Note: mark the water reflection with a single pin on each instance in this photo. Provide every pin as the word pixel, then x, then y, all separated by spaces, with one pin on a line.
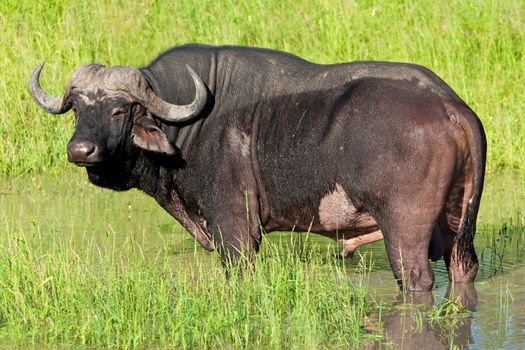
pixel 416 322
pixel 496 316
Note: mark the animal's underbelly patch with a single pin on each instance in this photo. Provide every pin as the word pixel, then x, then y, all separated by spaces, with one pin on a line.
pixel 338 213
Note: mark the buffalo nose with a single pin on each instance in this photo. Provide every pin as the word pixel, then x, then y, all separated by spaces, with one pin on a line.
pixel 83 153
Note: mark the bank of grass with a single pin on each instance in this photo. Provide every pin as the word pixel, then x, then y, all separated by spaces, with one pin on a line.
pixel 79 293
pixel 476 46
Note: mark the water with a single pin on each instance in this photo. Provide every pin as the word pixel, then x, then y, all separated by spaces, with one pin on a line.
pixel 497 300
pixel 68 206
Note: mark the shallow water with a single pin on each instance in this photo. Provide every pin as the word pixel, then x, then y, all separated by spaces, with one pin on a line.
pixel 68 206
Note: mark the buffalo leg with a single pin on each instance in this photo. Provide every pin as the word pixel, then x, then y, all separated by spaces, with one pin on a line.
pixel 351 244
pixel 407 243
pixel 237 235
pixel 459 253
pixel 461 262
pixel 237 249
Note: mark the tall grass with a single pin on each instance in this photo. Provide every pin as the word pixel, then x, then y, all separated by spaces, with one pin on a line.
pixel 78 294
pixel 476 46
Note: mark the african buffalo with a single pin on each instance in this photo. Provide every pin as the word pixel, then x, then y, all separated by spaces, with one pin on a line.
pixel 236 141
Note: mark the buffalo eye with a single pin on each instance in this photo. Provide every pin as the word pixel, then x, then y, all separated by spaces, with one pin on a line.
pixel 118 112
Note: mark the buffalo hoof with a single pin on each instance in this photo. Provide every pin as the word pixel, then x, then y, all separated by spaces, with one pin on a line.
pixel 346 254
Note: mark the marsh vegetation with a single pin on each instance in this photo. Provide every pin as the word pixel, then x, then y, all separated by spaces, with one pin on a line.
pixel 113 270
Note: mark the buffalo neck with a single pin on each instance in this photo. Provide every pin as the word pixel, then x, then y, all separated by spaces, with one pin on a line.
pixel 146 173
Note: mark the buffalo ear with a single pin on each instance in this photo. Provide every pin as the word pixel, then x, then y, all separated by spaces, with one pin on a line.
pixel 148 136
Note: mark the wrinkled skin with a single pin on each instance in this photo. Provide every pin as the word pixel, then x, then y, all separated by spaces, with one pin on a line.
pixel 110 163
pixel 356 152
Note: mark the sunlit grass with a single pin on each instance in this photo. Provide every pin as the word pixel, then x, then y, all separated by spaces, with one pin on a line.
pixel 81 265
pixel 120 297
pixel 476 46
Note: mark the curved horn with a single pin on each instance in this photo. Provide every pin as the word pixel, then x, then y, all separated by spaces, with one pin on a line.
pixel 176 113
pixel 47 102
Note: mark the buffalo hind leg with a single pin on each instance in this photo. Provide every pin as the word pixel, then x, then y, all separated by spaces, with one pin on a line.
pixel 460 257
pixel 459 253
pixel 407 245
pixel 351 244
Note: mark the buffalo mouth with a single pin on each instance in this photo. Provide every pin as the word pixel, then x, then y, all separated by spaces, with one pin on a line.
pixel 85 164
pixel 112 177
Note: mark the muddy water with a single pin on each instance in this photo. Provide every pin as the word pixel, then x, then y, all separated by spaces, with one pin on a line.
pixel 67 206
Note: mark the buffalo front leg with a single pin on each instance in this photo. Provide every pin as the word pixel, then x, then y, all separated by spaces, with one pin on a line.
pixel 237 248
pixel 236 235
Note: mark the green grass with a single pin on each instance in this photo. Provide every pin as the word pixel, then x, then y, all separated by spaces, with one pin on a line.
pixel 117 296
pixel 111 270
pixel 476 46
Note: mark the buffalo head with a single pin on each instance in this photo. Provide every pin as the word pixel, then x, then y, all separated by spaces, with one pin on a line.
pixel 114 109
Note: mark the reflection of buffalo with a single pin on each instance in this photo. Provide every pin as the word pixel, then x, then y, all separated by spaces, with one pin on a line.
pixel 409 328
pixel 251 138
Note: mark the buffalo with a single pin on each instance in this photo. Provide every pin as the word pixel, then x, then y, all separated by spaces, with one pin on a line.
pixel 235 142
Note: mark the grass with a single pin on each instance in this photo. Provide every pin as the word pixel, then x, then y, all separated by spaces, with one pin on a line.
pixel 83 266
pixel 115 271
pixel 496 243
pixel 476 46
pixel 84 294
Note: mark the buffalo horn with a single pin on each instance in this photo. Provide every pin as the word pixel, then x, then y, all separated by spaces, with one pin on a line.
pixel 48 103
pixel 179 113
